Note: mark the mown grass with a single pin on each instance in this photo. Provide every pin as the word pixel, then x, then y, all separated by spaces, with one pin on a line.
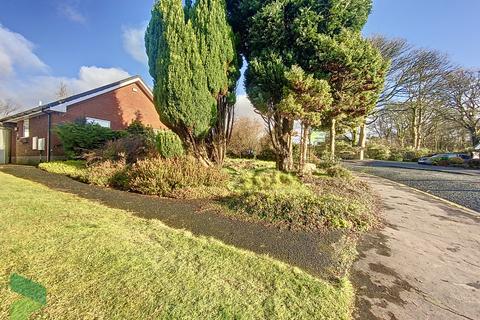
pixel 102 263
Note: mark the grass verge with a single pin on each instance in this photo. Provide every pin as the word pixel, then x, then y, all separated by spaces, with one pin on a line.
pixel 102 263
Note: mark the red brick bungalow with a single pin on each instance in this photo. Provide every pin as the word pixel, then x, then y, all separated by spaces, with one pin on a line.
pixel 27 137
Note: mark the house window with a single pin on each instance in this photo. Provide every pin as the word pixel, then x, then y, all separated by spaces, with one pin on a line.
pixel 100 122
pixel 26 128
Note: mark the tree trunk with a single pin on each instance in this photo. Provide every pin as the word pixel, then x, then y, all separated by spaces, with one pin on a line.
pixel 333 134
pixel 221 132
pixel 415 133
pixel 303 147
pixel 363 141
pixel 354 137
pixel 474 137
pixel 282 133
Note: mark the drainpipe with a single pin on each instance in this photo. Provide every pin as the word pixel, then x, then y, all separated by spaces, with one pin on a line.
pixel 49 135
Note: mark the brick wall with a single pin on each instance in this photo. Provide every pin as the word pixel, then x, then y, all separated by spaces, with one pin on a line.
pixel 120 107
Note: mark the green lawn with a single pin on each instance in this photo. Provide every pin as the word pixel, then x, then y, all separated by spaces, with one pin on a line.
pixel 102 263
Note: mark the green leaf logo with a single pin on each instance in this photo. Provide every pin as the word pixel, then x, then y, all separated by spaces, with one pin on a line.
pixel 34 297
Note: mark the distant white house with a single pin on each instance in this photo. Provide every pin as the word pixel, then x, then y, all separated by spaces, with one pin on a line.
pixel 476 153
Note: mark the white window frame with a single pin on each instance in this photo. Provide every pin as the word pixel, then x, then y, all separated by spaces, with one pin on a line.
pixel 26 128
pixel 100 122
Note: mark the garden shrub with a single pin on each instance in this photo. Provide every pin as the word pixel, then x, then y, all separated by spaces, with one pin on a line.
pixel 396 155
pixel 107 174
pixel 443 163
pixel 378 151
pixel 159 176
pixel 137 128
pixel 79 137
pixel 262 179
pixel 412 155
pixel 435 161
pixel 440 162
pixel 70 168
pixel 169 144
pixel 131 148
pixel 474 163
pixel 325 161
pixel 136 142
pixel 267 154
pixel 338 171
pixel 303 210
pixel 320 150
pixel 344 150
pixel 456 161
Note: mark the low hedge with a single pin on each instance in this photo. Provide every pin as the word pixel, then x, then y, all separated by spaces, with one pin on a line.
pixel 80 136
pixel 70 168
pixel 338 171
pixel 152 176
pixel 474 163
pixel 252 189
pixel 456 161
pixel 378 151
pixel 162 177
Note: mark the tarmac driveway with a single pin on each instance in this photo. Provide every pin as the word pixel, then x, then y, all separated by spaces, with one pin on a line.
pixel 412 165
pixel 461 186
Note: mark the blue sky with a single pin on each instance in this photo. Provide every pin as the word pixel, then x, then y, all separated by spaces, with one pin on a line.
pixel 86 43
pixel 450 26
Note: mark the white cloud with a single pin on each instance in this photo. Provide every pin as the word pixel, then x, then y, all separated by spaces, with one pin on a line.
pixel 92 77
pixel 28 92
pixel 134 43
pixel 15 51
pixel 71 13
pixel 33 84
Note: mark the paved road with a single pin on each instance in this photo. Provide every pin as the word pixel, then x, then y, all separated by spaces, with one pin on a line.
pixel 458 185
pixel 413 166
pixel 425 263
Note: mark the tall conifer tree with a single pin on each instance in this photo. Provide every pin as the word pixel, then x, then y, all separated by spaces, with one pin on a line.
pixel 182 98
pixel 193 62
pixel 278 34
pixel 215 40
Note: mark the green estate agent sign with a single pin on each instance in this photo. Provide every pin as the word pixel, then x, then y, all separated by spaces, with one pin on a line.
pixel 34 297
pixel 317 137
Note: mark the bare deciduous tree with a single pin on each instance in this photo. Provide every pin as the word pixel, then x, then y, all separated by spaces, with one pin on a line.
pixel 461 102
pixel 62 92
pixel 246 136
pixel 408 112
pixel 428 80
pixel 6 108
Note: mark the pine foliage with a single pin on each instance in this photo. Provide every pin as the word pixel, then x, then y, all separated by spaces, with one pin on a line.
pixel 181 91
